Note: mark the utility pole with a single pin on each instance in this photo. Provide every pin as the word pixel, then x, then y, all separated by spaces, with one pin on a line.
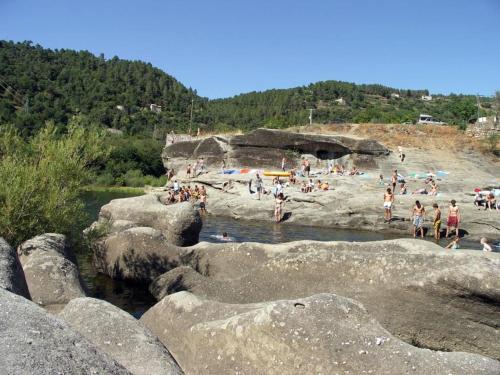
pixel 478 106
pixel 311 116
pixel 191 116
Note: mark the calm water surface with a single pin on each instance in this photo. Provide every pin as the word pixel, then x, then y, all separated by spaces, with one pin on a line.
pixel 137 299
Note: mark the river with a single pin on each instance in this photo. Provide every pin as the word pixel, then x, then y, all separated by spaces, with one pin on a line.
pixel 136 299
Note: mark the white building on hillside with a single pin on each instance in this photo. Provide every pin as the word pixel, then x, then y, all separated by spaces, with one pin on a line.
pixel 426 98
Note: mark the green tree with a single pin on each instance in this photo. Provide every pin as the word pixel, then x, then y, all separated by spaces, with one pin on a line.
pixel 41 180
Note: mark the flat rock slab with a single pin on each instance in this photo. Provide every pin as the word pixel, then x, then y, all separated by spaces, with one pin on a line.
pixel 421 293
pixel 321 334
pixel 52 278
pixel 32 341
pixel 120 336
pixel 11 272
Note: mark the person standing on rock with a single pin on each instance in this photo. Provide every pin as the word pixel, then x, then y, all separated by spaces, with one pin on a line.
pixel 203 200
pixel 418 219
pixel 259 184
pixel 278 206
pixel 283 162
pixel 436 223
pixel 388 200
pixel 453 218
pixel 394 181
pixel 401 154
pixel 189 171
pixel 307 168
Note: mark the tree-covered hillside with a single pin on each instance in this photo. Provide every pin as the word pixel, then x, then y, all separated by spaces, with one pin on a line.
pixel 334 101
pixel 37 85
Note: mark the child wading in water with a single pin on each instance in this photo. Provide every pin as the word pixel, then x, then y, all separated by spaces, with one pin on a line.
pixel 437 222
pixel 388 200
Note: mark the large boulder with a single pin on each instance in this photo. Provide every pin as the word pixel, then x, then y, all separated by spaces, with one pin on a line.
pixel 420 292
pixel 137 254
pixel 266 147
pixel 179 223
pixel 321 334
pixel 52 278
pixel 11 272
pixel 120 336
pixel 34 342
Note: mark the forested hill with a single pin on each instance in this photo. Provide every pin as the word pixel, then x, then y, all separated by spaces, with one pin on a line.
pixel 334 101
pixel 38 84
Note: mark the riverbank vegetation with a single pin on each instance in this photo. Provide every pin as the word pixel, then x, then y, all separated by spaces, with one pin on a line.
pixel 41 179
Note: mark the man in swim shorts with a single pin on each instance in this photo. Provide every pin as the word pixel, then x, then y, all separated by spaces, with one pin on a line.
pixel 394 181
pixel 453 218
pixel 388 200
pixel 437 221
pixel 418 219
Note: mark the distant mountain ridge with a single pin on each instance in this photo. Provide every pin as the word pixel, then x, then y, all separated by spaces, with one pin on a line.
pixel 38 85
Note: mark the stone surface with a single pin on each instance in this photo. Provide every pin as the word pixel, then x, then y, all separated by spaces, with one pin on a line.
pixel 421 293
pixel 11 272
pixel 137 254
pixel 180 223
pixel 34 342
pixel 266 147
pixel 120 336
pixel 321 334
pixel 52 278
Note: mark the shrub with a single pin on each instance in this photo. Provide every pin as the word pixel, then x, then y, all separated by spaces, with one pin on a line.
pixel 41 180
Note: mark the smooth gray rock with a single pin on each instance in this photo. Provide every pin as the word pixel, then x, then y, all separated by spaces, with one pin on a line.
pixel 120 336
pixel 11 272
pixel 52 278
pixel 420 292
pixel 266 147
pixel 321 334
pixel 34 342
pixel 138 254
pixel 179 223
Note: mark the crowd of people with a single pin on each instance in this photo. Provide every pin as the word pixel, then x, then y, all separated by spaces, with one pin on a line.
pixel 179 194
pixel 306 184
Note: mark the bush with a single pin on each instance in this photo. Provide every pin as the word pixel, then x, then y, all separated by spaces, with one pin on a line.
pixel 41 180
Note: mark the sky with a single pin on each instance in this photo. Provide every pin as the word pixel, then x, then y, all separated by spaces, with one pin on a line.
pixel 223 48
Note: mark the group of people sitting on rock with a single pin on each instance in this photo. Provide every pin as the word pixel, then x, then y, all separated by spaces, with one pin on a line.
pixel 183 193
pixel 489 202
pixel 309 187
pixel 403 186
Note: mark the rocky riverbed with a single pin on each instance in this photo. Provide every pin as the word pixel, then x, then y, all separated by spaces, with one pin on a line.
pixel 402 306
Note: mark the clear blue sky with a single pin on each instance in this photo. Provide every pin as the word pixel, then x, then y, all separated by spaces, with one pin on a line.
pixel 226 47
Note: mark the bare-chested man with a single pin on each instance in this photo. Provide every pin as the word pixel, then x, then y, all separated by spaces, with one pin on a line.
pixel 394 181
pixel 203 200
pixel 453 218
pixel 388 200
pixel 418 219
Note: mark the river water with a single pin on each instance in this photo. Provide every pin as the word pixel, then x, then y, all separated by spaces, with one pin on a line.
pixel 136 299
